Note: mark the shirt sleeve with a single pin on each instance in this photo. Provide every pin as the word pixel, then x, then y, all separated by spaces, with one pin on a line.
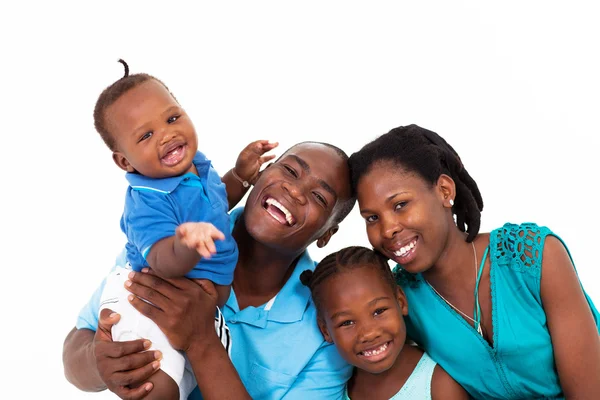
pixel 88 316
pixel 324 377
pixel 149 217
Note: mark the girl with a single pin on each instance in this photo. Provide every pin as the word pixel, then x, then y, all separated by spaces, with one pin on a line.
pixel 360 309
pixel 503 312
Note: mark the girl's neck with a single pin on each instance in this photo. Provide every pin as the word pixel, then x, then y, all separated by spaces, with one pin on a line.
pixel 261 271
pixel 365 385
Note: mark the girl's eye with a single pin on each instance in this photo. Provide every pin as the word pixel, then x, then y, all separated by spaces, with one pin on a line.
pixel 399 205
pixel 291 171
pixel 173 119
pixel 145 136
pixel 321 199
pixel 379 311
pixel 347 323
pixel 371 218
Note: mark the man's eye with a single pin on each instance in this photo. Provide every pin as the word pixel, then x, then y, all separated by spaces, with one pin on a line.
pixel 291 171
pixel 173 119
pixel 145 136
pixel 321 199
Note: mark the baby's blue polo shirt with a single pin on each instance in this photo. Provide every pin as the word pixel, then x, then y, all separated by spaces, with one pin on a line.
pixel 154 208
pixel 277 348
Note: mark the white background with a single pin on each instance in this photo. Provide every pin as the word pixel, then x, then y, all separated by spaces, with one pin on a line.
pixel 512 85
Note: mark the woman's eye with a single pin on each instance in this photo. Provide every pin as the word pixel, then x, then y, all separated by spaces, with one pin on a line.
pixel 399 205
pixel 145 136
pixel 173 119
pixel 291 171
pixel 371 218
pixel 379 311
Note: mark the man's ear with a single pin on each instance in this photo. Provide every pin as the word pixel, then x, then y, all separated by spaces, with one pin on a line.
pixel 122 162
pixel 324 331
pixel 324 239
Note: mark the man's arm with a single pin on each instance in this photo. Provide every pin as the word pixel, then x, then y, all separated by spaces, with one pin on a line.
pixel 79 361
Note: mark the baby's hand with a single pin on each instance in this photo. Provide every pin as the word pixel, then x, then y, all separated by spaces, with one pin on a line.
pixel 251 159
pixel 199 236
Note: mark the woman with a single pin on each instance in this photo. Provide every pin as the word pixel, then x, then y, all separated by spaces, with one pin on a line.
pixel 503 312
pixel 277 348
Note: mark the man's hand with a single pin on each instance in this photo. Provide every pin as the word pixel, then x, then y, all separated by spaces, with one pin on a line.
pixel 123 366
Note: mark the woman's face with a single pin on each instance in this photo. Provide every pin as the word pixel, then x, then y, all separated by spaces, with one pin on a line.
pixel 407 218
pixel 294 199
pixel 362 315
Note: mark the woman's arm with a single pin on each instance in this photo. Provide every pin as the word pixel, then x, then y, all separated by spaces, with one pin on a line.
pixel 185 312
pixel 446 388
pixel 92 362
pixel 571 324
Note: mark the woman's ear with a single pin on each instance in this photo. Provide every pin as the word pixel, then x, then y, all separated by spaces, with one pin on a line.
pixel 122 162
pixel 447 190
pixel 323 329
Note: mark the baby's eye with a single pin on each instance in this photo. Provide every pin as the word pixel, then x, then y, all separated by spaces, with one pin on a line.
pixel 173 119
pixel 291 171
pixel 371 218
pixel 347 323
pixel 145 136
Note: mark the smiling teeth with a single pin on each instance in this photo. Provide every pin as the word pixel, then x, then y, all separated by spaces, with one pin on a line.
pixel 405 249
pixel 379 350
pixel 288 215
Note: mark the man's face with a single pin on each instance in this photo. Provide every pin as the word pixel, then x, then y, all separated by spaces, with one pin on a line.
pixel 294 199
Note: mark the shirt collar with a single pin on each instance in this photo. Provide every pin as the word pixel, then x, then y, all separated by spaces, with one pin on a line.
pixel 167 185
pixel 291 301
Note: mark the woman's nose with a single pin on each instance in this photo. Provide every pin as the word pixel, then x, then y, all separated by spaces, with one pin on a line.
pixel 390 227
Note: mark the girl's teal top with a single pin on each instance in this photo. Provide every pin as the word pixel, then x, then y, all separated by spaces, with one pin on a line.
pixel 520 364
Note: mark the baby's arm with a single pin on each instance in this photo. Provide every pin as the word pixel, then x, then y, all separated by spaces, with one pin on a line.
pixel 246 170
pixel 175 256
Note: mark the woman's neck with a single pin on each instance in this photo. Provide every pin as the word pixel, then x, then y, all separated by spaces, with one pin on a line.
pixel 365 385
pixel 261 271
pixel 456 267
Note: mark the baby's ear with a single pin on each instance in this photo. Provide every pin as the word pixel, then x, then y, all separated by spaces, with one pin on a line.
pixel 324 331
pixel 122 162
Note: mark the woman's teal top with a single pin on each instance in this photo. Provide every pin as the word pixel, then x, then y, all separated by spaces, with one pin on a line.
pixel 520 364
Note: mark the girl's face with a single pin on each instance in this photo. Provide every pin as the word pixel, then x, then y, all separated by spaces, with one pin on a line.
pixel 407 219
pixel 362 316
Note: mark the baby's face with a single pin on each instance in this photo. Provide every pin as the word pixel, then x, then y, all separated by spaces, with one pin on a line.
pixel 153 134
